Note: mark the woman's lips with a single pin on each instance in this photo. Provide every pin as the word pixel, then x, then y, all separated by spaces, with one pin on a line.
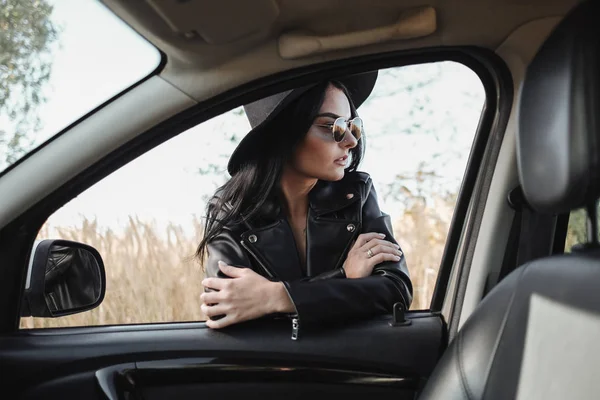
pixel 342 161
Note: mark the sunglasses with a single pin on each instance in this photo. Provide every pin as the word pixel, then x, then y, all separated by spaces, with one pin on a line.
pixel 341 125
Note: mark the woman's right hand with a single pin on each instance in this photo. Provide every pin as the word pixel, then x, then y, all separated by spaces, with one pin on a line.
pixel 360 263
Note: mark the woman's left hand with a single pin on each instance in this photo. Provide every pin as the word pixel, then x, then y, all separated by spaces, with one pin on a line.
pixel 247 295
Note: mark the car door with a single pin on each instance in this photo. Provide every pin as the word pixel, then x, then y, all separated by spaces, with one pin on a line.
pixel 390 356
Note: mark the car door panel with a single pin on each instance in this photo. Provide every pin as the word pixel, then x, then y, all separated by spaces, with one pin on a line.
pixel 189 359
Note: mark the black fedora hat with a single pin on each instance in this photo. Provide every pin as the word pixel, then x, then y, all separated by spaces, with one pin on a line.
pixel 262 111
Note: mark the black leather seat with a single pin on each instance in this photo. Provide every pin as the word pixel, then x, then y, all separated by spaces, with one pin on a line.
pixel 536 335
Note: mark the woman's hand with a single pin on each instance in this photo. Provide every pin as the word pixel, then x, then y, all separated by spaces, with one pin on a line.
pixel 360 262
pixel 247 295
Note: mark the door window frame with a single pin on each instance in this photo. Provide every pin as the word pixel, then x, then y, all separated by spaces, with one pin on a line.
pixel 17 238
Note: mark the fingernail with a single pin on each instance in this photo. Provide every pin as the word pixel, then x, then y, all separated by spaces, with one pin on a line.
pixel 382 235
pixel 397 258
pixel 397 246
pixel 220 262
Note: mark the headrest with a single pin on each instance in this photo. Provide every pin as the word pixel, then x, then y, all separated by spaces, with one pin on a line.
pixel 558 140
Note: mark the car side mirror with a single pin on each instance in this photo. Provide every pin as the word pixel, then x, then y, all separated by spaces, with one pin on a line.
pixel 64 277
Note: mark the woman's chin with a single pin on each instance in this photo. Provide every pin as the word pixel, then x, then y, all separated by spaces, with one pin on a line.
pixel 334 174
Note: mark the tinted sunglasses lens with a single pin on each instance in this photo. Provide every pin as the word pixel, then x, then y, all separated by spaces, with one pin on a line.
pixel 339 129
pixel 356 127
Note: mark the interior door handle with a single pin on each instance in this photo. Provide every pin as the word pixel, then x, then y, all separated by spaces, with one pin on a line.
pixel 115 381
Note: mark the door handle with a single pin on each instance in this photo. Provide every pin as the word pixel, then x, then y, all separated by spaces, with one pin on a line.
pixel 116 381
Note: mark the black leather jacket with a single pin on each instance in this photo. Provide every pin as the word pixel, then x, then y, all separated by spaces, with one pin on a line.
pixel 338 212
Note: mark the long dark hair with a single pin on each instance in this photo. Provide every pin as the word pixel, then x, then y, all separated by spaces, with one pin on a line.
pixel 254 189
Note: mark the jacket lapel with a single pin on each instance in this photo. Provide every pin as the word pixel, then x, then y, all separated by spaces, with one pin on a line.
pixel 333 224
pixel 334 221
pixel 274 247
pixel 328 240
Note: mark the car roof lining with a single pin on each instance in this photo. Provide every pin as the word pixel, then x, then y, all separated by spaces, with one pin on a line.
pixel 204 69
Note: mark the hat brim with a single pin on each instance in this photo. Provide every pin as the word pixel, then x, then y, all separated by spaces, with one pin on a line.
pixel 359 88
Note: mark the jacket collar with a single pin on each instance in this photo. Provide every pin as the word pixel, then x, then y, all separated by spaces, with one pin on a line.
pixel 326 197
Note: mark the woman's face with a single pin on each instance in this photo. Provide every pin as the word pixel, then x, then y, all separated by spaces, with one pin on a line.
pixel 319 155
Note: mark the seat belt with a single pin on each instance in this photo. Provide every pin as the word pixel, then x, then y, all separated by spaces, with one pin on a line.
pixel 531 234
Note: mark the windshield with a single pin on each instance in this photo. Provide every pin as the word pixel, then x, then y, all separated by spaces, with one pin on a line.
pixel 60 59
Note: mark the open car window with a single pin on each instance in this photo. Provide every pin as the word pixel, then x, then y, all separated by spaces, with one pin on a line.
pixel 146 218
pixel 59 61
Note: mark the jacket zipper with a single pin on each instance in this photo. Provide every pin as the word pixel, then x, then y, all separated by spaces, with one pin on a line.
pixel 295 327
pixel 295 318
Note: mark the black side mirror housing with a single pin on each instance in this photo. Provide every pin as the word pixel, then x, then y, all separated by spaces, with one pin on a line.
pixel 64 277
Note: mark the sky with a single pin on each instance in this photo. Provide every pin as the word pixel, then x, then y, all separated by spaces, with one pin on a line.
pixel 98 56
pixel 95 58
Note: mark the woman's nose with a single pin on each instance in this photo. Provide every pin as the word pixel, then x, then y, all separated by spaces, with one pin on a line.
pixel 349 140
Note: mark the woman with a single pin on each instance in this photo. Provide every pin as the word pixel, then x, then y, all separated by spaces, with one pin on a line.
pixel 297 229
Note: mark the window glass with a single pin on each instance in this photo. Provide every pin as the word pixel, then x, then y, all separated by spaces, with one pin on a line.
pixel 146 218
pixel 58 61
pixel 577 229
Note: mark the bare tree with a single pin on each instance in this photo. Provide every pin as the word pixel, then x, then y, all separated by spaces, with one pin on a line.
pixel 26 35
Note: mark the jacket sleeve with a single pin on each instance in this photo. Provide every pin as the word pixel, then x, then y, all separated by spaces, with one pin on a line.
pixel 224 247
pixel 332 300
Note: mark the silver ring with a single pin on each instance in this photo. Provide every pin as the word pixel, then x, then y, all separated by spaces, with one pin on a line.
pixel 369 253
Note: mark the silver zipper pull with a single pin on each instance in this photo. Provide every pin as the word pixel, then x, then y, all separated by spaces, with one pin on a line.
pixel 295 328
